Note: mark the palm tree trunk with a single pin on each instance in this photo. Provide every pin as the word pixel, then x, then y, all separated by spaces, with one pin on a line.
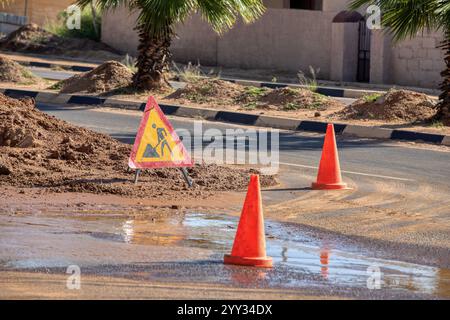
pixel 152 61
pixel 94 18
pixel 444 104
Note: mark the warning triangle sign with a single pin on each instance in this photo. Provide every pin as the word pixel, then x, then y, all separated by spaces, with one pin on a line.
pixel 157 145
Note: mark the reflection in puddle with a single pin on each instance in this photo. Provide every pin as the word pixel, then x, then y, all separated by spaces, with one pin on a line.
pixel 301 258
pixel 287 246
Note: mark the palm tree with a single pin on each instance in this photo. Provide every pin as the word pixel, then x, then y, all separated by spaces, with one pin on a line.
pixel 156 28
pixel 405 18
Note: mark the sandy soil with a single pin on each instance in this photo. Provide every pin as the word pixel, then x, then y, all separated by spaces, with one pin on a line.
pixel 29 57
pixel 406 214
pixel 43 86
pixel 11 71
pixel 395 106
pixel 299 114
pixel 23 201
pixel 219 94
pixel 249 74
pixel 28 285
pixel 106 77
pixel 330 112
pixel 41 151
pixel 284 76
pixel 34 39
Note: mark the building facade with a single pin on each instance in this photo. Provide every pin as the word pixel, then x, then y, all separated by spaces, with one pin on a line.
pixel 36 11
pixel 295 34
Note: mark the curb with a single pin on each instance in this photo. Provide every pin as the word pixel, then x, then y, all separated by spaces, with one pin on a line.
pixel 327 91
pixel 55 65
pixel 331 91
pixel 236 117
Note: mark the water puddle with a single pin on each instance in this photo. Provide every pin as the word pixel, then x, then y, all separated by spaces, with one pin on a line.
pixel 301 257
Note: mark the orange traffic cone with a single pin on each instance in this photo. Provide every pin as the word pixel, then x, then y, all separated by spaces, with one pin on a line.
pixel 329 176
pixel 249 248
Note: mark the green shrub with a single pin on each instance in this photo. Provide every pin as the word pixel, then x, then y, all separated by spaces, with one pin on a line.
pixel 369 98
pixel 255 92
pixel 130 63
pixel 56 86
pixel 250 106
pixel 310 83
pixel 437 124
pixel 87 29
pixel 291 106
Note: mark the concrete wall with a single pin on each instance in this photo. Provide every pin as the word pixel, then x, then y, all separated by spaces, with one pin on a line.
pixel 276 4
pixel 335 5
pixel 189 46
pixel 282 39
pixel 344 52
pixel 37 11
pixel 418 62
pixel 10 22
pixel 293 40
pixel 118 30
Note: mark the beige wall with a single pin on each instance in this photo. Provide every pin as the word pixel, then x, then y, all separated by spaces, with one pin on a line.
pixel 335 5
pixel 37 11
pixel 282 39
pixel 276 4
pixel 415 62
pixel 418 62
pixel 293 40
pixel 118 30
pixel 16 7
pixel 290 34
pixel 344 52
pixel 189 46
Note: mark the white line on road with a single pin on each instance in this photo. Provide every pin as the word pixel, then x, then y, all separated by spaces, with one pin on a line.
pixel 349 172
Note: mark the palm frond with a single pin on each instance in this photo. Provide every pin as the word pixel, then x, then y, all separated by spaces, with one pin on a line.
pixel 405 18
pixel 158 17
pixel 107 4
pixel 222 14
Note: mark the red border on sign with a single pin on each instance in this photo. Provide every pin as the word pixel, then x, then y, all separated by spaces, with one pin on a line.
pixel 187 162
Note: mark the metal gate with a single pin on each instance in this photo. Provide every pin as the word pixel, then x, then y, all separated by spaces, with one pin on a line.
pixel 363 53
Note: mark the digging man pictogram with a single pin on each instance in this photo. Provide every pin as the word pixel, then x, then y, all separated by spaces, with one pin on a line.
pixel 150 151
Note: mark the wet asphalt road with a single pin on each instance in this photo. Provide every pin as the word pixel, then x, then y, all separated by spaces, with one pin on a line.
pixel 188 249
pixel 137 250
pixel 372 158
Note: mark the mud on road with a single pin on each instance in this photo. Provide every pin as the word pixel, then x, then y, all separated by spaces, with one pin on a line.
pixel 187 249
pixel 42 152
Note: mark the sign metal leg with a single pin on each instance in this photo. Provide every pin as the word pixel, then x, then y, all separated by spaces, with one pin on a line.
pixel 183 170
pixel 136 177
pixel 186 177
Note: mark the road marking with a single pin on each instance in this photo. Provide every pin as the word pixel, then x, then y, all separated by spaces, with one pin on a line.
pixel 349 172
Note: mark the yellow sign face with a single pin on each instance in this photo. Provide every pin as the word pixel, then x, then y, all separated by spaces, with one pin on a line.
pixel 157 144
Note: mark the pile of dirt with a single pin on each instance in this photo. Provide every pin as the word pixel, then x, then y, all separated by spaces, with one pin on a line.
pixel 38 150
pixel 106 77
pixel 11 71
pixel 208 91
pixel 394 106
pixel 34 39
pixel 287 99
pixel 218 92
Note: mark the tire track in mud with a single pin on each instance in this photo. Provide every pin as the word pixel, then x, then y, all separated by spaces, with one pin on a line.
pixel 406 212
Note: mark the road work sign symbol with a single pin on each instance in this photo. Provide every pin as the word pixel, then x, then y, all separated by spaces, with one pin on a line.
pixel 157 145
